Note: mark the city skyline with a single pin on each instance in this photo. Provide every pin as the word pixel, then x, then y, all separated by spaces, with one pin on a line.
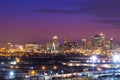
pixel 29 21
pixel 59 39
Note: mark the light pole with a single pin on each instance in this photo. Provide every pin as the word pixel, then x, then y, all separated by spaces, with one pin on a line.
pixel 116 59
pixel 43 69
pixel 11 74
pixel 62 72
pixel 93 58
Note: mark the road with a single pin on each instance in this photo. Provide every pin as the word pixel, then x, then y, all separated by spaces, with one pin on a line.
pixel 109 78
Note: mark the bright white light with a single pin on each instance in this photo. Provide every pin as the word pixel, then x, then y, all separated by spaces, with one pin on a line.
pixel 114 61
pixel 45 74
pixel 64 63
pixel 14 63
pixel 9 43
pixel 70 64
pixel 107 66
pixel 80 74
pixel 94 58
pixel 2 62
pixel 116 57
pixel 55 37
pixel 93 65
pixel 27 76
pixel 51 72
pixel 98 61
pixel 11 73
pixel 88 61
pixel 111 38
pixel 103 61
pixel 62 71
pixel 77 64
pixel 94 61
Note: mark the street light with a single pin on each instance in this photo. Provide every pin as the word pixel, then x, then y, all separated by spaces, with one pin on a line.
pixel 17 60
pixel 54 67
pixel 93 58
pixel 43 67
pixel 11 74
pixel 62 71
pixel 33 72
pixel 116 59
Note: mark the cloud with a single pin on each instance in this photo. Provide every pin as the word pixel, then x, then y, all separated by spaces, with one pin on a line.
pixel 100 8
pixel 106 9
pixel 58 11
pixel 108 21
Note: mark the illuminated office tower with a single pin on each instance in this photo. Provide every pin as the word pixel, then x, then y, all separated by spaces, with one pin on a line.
pixel 102 36
pixel 107 44
pixel 19 47
pixel 84 41
pixel 102 40
pixel 31 47
pixel 112 44
pixel 89 44
pixel 9 46
pixel 98 40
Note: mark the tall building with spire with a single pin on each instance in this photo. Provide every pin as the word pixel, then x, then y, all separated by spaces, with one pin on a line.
pixel 54 47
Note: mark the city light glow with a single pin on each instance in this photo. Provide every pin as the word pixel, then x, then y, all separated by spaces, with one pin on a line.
pixel 93 58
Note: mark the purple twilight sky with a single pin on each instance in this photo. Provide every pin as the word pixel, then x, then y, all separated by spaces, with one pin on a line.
pixel 36 20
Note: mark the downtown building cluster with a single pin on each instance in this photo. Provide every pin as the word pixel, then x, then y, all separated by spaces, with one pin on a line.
pixel 99 44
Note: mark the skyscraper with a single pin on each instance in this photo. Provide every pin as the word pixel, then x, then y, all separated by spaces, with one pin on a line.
pixel 98 40
pixel 84 41
pixel 54 47
pixel 102 36
pixel 31 47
